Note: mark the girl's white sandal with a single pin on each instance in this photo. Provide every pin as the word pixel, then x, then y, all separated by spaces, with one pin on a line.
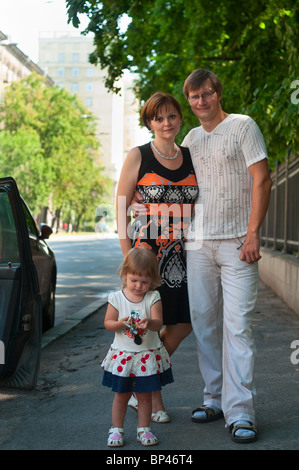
pixel 146 437
pixel 115 437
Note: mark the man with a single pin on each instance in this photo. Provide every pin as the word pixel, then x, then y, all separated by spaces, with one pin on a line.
pixel 230 161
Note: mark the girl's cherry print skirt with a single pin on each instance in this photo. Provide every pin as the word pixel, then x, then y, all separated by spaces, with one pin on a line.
pixel 145 371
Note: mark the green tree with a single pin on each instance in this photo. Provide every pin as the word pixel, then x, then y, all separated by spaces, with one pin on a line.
pixel 21 156
pixel 251 46
pixel 57 150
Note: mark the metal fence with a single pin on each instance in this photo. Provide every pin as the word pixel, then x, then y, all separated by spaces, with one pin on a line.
pixel 280 230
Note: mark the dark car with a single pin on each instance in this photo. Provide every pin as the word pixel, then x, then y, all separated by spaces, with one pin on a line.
pixel 45 265
pixel 27 288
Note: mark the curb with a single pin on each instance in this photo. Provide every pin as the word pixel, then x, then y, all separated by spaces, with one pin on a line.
pixel 71 322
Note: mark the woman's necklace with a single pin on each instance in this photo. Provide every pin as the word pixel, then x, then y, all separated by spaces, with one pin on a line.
pixel 163 156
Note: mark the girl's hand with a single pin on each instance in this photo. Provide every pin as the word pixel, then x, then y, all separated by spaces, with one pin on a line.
pixel 143 324
pixel 125 322
pixel 111 322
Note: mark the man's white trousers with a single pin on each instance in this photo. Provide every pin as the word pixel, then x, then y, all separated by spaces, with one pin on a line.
pixel 222 295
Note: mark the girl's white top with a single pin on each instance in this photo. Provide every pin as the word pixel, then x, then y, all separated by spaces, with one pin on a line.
pixel 122 339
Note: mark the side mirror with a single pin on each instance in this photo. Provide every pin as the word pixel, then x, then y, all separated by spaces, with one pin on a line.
pixel 46 231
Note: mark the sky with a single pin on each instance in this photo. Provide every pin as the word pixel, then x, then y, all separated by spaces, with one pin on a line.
pixel 23 20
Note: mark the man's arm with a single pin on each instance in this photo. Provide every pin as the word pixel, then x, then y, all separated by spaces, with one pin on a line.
pixel 260 200
pixel 136 205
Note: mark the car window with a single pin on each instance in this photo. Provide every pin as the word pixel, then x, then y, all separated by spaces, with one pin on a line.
pixel 9 250
pixel 30 222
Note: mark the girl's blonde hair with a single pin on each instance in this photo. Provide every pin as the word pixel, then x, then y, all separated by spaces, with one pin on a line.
pixel 141 261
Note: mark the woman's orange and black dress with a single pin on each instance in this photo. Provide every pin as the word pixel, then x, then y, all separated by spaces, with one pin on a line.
pixel 169 196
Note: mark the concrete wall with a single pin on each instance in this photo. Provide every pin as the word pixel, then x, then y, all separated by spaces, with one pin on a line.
pixel 281 273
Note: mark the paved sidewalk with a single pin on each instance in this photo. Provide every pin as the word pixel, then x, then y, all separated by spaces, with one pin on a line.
pixel 71 410
pixel 276 326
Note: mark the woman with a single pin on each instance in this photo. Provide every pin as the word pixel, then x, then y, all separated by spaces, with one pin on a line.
pixel 162 173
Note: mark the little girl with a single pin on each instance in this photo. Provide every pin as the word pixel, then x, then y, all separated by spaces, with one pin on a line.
pixel 137 360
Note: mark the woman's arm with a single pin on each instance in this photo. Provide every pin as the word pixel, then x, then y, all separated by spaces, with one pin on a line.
pixel 125 191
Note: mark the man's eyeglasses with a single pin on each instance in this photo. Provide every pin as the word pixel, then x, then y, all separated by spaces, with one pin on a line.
pixel 205 96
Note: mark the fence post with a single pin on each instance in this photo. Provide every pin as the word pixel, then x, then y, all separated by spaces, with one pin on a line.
pixel 267 229
pixel 275 207
pixel 285 218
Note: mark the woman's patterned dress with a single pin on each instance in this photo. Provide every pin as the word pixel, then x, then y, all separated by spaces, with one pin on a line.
pixel 169 196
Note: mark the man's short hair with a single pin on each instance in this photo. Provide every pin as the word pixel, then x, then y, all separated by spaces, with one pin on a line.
pixel 197 78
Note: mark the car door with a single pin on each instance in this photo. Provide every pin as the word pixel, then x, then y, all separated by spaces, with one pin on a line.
pixel 20 303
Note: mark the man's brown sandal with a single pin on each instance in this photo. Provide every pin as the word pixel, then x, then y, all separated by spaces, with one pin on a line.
pixel 243 439
pixel 211 415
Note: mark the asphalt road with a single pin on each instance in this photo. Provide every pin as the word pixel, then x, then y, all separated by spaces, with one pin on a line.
pixel 86 267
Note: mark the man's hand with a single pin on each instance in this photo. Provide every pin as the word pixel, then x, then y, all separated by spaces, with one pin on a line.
pixel 261 190
pixel 250 251
pixel 136 205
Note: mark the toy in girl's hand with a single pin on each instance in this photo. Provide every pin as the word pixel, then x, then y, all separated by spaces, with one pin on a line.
pixel 137 339
pixel 132 324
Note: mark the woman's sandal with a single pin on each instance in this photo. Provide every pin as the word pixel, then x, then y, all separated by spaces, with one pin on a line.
pixel 243 439
pixel 115 437
pixel 160 417
pixel 146 437
pixel 133 403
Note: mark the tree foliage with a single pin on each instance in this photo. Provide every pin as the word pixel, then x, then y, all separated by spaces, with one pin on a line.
pixel 21 156
pixel 251 46
pixel 47 146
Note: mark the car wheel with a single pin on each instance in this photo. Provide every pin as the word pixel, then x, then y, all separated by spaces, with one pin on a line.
pixel 49 309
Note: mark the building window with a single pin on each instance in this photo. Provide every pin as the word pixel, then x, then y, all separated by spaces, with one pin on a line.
pixel 75 72
pixel 75 57
pixel 90 72
pixel 88 101
pixel 74 86
pixel 89 86
pixel 60 72
pixel 61 57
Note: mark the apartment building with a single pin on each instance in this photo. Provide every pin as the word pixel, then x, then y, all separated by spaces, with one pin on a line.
pixel 15 65
pixel 65 58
